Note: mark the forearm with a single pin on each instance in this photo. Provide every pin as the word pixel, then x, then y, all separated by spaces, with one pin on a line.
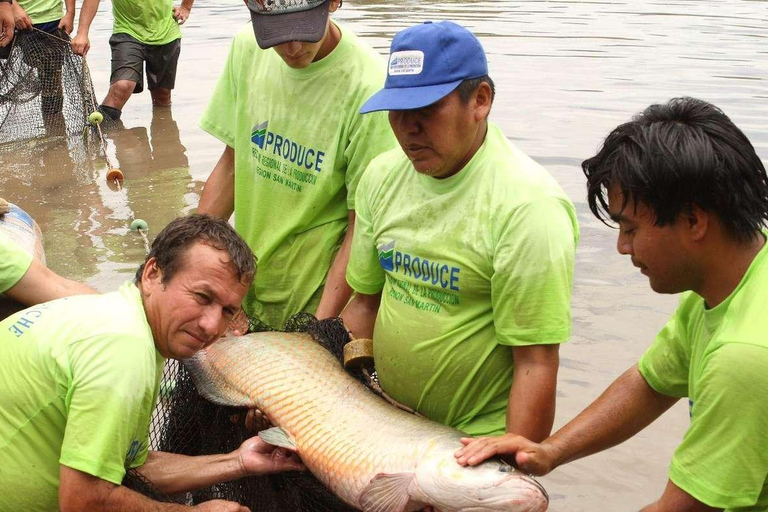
pixel 40 284
pixel 337 292
pixel 173 473
pixel 69 6
pixel 218 198
pixel 531 409
pixel 187 4
pixel 624 409
pixel 675 499
pixel 122 499
pixel 360 315
pixel 80 491
pixel 87 13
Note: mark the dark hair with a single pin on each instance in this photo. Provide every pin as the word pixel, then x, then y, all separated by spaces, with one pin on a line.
pixel 671 157
pixel 468 86
pixel 180 234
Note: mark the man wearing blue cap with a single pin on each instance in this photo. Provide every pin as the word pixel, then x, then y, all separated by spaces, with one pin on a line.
pixel 296 147
pixel 463 253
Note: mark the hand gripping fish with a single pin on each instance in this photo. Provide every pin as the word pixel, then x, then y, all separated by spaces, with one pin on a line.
pixel 372 455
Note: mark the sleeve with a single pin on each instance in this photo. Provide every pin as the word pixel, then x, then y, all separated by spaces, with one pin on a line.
pixel 106 402
pixel 723 459
pixel 533 274
pixel 370 136
pixel 364 272
pixel 665 364
pixel 14 263
pixel 220 115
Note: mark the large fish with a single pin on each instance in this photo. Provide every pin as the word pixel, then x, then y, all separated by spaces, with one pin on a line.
pixel 372 455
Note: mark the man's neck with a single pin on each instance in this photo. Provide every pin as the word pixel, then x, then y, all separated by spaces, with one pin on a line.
pixel 726 269
pixel 330 41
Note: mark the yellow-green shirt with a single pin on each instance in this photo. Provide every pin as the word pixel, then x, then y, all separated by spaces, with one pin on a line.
pixel 43 11
pixel 78 384
pixel 469 266
pixel 718 358
pixel 300 149
pixel 149 21
pixel 14 262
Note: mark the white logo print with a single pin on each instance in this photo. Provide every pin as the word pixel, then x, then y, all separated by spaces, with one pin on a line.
pixel 406 63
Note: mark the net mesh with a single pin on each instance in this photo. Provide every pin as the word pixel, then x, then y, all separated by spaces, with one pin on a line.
pixel 186 423
pixel 45 89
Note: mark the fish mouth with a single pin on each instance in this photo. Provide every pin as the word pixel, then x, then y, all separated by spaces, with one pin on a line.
pixel 532 480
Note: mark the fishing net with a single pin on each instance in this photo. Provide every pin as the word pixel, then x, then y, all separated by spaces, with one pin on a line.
pixel 186 423
pixel 45 89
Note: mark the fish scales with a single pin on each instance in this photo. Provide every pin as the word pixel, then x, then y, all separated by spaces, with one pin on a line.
pixel 372 455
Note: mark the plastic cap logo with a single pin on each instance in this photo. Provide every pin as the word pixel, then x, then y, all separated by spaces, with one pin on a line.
pixel 406 63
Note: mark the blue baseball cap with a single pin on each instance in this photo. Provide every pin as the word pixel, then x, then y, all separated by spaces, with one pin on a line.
pixel 426 63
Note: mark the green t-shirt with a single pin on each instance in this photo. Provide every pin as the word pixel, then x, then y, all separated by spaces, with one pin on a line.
pixel 718 358
pixel 469 266
pixel 149 21
pixel 43 11
pixel 14 262
pixel 300 148
pixel 78 385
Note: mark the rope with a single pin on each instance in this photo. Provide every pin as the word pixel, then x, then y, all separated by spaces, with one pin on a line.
pixel 143 233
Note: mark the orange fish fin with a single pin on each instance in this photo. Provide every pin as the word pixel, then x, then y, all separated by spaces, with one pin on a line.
pixel 389 493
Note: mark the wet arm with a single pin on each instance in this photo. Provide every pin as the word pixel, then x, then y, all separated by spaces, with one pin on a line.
pixel 624 409
pixel 80 491
pixel 87 13
pixel 173 473
pixel 6 24
pixel 531 409
pixel 40 284
pixel 675 499
pixel 360 315
pixel 218 199
pixel 337 292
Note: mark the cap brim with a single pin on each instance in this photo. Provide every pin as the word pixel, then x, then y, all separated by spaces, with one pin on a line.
pixel 408 98
pixel 307 26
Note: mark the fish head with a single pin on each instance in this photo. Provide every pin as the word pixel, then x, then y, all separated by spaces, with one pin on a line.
pixel 490 486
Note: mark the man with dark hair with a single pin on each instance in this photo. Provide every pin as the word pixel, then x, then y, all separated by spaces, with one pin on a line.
pixel 463 252
pixel 286 108
pixel 690 197
pixel 81 376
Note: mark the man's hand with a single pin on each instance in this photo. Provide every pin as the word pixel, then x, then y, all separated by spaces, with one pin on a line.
pixel 67 23
pixel 6 24
pixel 81 44
pixel 239 324
pixel 530 457
pixel 20 18
pixel 260 458
pixel 221 506
pixel 180 14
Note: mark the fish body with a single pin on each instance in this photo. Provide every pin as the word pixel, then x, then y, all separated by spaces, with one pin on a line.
pixel 372 455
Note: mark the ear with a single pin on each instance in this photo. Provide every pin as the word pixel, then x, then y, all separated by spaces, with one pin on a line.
pixel 483 98
pixel 152 276
pixel 335 4
pixel 697 222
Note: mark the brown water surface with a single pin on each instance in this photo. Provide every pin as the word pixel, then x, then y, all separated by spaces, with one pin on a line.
pixel 566 72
